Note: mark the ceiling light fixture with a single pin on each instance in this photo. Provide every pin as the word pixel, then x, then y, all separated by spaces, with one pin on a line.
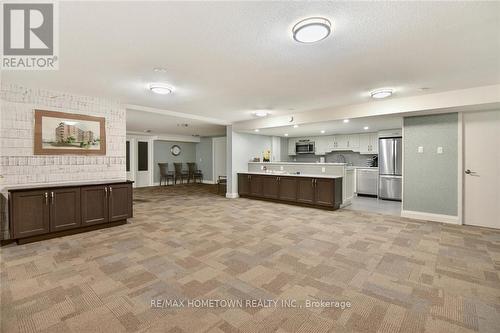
pixel 261 113
pixel 312 29
pixel 346 121
pixel 159 69
pixel 256 130
pixel 286 134
pixel 366 128
pixel 160 88
pixel 295 126
pixel 322 131
pixel 381 93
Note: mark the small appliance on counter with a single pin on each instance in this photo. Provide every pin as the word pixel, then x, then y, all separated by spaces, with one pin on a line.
pixel 373 162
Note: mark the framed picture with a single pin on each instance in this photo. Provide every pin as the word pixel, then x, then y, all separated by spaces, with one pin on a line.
pixel 59 133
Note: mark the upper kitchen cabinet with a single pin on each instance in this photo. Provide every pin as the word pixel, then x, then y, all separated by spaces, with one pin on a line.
pixel 291 146
pixel 368 143
pixel 322 145
pixel 340 142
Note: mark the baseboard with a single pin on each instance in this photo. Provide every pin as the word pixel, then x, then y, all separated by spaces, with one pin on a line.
pixel 430 217
pixel 211 182
pixel 346 203
pixel 232 195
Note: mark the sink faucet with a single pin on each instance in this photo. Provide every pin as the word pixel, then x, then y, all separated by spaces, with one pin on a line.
pixel 341 158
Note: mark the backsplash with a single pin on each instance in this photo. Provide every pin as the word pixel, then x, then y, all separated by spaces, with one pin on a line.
pixel 351 158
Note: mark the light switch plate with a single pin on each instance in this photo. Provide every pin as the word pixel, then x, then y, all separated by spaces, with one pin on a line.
pixel 420 149
pixel 281 168
pixel 323 169
pixel 439 150
pixel 262 167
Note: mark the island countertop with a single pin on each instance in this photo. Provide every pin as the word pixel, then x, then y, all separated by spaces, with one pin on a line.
pixel 289 175
pixel 298 163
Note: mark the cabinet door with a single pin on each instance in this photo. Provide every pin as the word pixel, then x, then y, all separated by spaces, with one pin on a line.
pixel 243 184
pixel 291 146
pixel 120 201
pixel 65 210
pixel 30 213
pixel 288 188
pixel 256 185
pixel 305 190
pixel 94 205
pixel 270 187
pixel 341 142
pixel 324 192
pixel 364 143
pixel 353 141
pixel 374 143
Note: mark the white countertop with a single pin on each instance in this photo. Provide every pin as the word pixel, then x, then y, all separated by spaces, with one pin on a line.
pixel 62 184
pixel 295 163
pixel 291 175
pixel 360 167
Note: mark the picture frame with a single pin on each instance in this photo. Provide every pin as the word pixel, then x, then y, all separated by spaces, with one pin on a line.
pixel 61 133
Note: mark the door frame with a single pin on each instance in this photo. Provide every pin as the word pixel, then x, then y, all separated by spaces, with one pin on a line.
pixel 460 169
pixel 214 141
pixel 134 139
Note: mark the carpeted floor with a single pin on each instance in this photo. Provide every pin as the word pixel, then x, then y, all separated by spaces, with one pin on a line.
pixel 187 244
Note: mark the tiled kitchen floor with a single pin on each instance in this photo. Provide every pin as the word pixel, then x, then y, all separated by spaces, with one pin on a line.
pixel 185 242
pixel 370 204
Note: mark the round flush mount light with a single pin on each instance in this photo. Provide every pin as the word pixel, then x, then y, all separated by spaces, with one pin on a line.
pixel 160 88
pixel 346 121
pixel 295 126
pixel 322 131
pixel 261 113
pixel 312 29
pixel 381 93
pixel 366 128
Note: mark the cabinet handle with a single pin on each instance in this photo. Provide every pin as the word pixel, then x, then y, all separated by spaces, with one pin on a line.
pixel 106 191
pixel 110 191
pixel 46 198
pixel 52 197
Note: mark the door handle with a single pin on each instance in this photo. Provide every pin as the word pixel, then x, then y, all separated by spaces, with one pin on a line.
pixel 106 191
pixel 469 172
pixel 46 198
pixel 52 197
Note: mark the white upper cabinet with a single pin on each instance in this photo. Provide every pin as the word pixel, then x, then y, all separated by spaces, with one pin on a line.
pixel 322 144
pixel 368 143
pixel 340 142
pixel 291 146
pixel 353 141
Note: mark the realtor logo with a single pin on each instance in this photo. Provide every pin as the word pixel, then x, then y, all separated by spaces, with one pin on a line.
pixel 30 36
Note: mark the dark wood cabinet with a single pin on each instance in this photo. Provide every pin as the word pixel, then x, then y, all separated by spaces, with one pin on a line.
pixel 311 191
pixel 256 185
pixel 288 188
pixel 29 213
pixel 94 205
pixel 270 187
pixel 65 210
pixel 305 190
pixel 120 197
pixel 243 184
pixel 54 211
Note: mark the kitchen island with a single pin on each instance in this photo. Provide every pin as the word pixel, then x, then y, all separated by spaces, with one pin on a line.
pixel 322 191
pixel 319 170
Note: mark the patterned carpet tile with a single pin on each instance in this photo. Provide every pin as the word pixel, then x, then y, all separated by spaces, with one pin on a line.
pixel 341 271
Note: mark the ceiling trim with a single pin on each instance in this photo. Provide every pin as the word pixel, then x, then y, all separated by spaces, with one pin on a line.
pixel 472 99
pixel 163 137
pixel 177 114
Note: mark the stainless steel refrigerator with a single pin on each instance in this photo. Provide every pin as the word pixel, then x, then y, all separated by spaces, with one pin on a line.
pixel 390 168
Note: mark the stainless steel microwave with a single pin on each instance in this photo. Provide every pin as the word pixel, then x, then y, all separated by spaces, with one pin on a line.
pixel 304 147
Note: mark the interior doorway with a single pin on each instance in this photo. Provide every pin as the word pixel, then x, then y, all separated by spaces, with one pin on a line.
pixel 219 157
pixel 482 168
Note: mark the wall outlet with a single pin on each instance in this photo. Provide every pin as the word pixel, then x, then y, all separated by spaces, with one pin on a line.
pixel 439 150
pixel 262 167
pixel 323 169
pixel 420 149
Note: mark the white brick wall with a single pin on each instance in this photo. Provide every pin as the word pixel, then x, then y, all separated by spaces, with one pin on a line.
pixel 19 166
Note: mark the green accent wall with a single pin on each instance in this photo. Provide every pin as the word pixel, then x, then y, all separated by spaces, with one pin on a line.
pixel 162 154
pixel 431 179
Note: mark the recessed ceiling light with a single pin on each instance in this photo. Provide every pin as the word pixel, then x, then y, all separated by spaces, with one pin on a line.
pixel 346 120
pixel 295 126
pixel 261 113
pixel 381 93
pixel 322 131
pixel 366 128
pixel 286 134
pixel 256 130
pixel 312 29
pixel 160 88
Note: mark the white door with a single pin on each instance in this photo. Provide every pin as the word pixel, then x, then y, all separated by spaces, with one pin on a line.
pixel 143 161
pixel 219 156
pixel 482 168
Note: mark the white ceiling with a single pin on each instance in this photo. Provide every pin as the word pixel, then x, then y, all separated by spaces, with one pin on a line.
pixel 356 125
pixel 228 58
pixel 140 121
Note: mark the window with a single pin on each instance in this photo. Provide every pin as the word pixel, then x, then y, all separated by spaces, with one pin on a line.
pixel 142 147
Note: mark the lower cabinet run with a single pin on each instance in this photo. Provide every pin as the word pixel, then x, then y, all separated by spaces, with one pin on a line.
pixel 312 191
pixel 54 211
